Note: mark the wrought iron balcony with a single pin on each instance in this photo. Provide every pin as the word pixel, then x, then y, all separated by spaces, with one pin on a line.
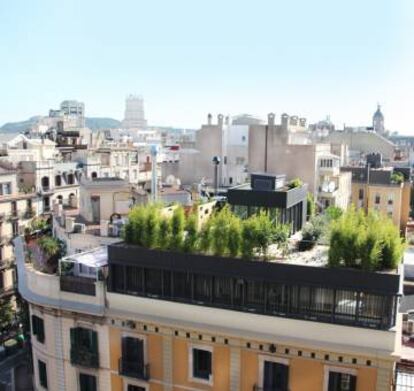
pixel 134 369
pixel 79 355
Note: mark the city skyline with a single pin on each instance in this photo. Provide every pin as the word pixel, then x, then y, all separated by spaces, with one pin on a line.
pixel 312 60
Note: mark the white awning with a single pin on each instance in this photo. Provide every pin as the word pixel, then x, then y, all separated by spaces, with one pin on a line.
pixel 94 258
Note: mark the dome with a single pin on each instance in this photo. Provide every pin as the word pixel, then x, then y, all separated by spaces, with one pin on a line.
pixel 378 114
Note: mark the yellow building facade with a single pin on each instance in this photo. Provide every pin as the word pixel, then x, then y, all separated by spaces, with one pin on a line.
pixel 111 341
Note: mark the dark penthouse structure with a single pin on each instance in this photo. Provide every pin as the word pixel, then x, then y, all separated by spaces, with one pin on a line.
pixel 270 192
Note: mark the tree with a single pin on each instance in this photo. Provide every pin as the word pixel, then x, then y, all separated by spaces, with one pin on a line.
pixel 151 225
pixel 6 314
pixel 310 205
pixel 249 227
pixel 164 236
pixel 369 242
pixel 191 236
pixel 177 228
pixel 264 232
pixel 50 246
pixel 234 236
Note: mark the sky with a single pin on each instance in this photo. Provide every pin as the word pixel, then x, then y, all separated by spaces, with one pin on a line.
pixel 188 58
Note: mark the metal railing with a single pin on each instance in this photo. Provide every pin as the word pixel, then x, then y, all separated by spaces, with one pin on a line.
pixel 79 355
pixel 75 284
pixel 134 369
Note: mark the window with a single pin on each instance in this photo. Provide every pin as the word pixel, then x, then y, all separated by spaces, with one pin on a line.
pixel 87 382
pixel 390 199
pixel 71 179
pixel 38 328
pixel 133 358
pixel 275 376
pixel 341 382
pixel 58 180
pixel 201 364
pixel 84 347
pixel 42 373
pixel 361 194
pixel 5 188
pixel 135 388
pixel 377 199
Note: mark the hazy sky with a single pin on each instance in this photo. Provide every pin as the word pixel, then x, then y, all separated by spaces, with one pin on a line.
pixel 188 58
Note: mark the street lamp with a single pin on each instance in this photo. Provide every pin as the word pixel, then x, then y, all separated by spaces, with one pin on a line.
pixel 216 162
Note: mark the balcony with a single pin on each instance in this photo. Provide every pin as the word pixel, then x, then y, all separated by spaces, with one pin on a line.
pixel 80 285
pixel 257 388
pixel 28 213
pixel 133 369
pixel 79 355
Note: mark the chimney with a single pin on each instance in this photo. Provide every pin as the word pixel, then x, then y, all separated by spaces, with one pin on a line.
pixel 104 228
pixel 220 120
pixel 271 119
pixel 69 224
pixel 227 120
pixel 209 119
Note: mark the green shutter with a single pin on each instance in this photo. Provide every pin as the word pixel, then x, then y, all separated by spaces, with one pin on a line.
pixel 34 325
pixel 73 334
pixel 94 342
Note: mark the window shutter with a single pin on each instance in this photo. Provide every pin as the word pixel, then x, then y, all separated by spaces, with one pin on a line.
pixel 353 383
pixel 284 372
pixel 34 324
pixel 209 363
pixel 124 347
pixel 140 351
pixel 73 337
pixel 40 330
pixel 94 341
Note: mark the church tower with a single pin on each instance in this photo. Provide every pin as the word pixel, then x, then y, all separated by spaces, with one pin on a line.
pixel 378 121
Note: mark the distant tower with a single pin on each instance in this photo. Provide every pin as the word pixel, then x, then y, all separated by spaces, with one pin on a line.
pixel 74 111
pixel 134 113
pixel 378 121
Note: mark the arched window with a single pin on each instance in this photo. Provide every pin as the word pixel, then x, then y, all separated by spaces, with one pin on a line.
pixel 45 183
pixel 71 179
pixel 94 175
pixel 58 180
pixel 60 199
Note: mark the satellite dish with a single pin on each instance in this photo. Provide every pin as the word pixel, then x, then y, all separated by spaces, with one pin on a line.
pixel 331 186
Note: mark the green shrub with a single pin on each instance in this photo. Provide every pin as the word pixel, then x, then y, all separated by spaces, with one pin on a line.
pixel 151 227
pixel 397 177
pixel 311 233
pixel 296 182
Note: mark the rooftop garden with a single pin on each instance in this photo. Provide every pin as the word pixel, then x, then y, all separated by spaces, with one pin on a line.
pixel 350 239
pixel 223 234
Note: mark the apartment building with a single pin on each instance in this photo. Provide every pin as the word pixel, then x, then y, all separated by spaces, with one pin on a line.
pixel 132 318
pixel 379 189
pixel 16 211
pixel 282 149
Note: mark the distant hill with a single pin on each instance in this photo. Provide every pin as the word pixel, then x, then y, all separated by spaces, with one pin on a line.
pixel 90 122
pixel 101 122
pixel 17 127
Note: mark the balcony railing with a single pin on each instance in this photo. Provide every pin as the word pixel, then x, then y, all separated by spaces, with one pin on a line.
pixel 133 369
pixel 75 284
pixel 80 355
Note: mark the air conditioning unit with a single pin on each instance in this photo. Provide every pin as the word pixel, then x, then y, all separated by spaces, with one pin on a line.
pixel 79 228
